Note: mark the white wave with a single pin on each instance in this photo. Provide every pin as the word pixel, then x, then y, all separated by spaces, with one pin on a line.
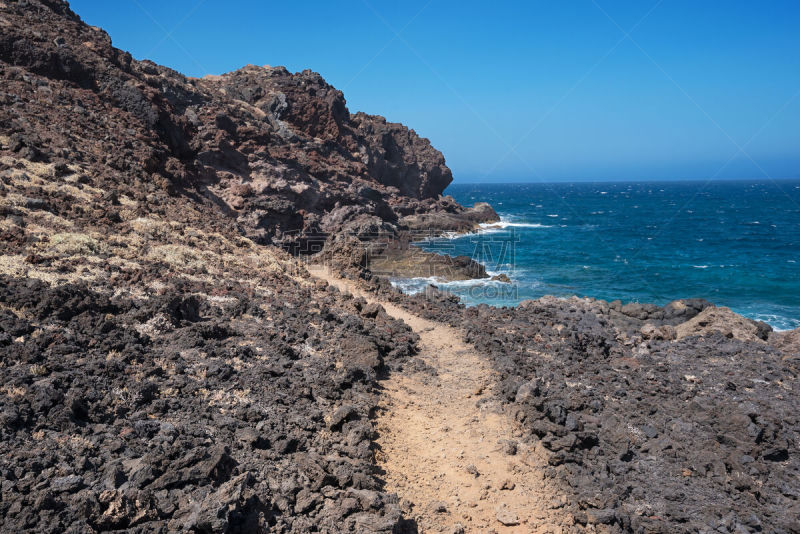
pixel 504 223
pixel 472 282
pixel 483 228
pixel 779 323
pixel 451 235
pixel 412 286
pixel 700 266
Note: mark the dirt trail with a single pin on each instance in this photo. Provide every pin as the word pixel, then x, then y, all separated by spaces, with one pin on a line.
pixel 446 447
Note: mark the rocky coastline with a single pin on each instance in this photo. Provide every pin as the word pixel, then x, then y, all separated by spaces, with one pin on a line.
pixel 171 363
pixel 652 419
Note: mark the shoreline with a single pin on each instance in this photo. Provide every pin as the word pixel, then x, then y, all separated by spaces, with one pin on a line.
pixel 398 282
pixel 403 283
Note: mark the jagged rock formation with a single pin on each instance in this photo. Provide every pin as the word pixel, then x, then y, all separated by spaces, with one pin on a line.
pixel 280 153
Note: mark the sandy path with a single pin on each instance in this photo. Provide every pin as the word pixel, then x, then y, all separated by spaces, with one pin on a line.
pixel 443 441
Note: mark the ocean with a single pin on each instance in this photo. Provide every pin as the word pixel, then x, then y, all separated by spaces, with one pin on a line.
pixel 734 243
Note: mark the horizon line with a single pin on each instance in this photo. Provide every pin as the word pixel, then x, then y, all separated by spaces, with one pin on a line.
pixel 623 180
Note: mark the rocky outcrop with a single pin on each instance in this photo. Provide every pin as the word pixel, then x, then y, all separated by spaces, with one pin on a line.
pixel 724 321
pixel 395 258
pixel 448 216
pixel 398 260
pixel 788 342
pixel 278 153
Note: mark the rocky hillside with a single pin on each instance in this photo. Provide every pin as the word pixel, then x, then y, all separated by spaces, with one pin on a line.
pixel 165 367
pixel 160 376
pixel 278 153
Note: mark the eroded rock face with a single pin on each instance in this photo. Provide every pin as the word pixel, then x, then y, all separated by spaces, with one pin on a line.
pixel 450 216
pixel 277 152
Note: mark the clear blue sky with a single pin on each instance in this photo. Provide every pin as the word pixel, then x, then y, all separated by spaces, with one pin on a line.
pixel 521 91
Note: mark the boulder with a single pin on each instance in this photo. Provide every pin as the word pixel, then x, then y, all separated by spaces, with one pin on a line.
pixel 724 321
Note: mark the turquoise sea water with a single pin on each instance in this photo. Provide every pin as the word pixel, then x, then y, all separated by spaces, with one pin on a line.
pixel 736 244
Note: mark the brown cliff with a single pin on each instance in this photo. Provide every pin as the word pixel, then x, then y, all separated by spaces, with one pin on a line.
pixel 278 152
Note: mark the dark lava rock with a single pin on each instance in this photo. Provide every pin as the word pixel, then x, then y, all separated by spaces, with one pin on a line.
pixel 340 416
pixel 644 433
pixel 195 445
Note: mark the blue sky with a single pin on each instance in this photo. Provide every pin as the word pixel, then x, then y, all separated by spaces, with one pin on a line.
pixel 521 91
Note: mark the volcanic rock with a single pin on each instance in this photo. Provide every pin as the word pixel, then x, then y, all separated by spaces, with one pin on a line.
pixel 724 321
